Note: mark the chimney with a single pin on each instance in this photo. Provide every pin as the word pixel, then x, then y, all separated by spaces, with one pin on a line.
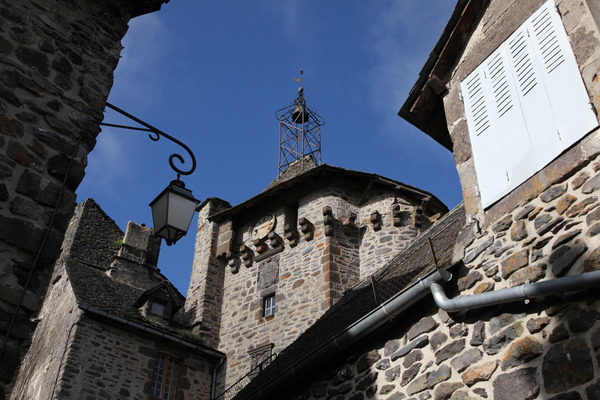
pixel 140 245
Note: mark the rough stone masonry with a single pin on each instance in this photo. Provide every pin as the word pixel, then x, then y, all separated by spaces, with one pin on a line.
pixel 57 59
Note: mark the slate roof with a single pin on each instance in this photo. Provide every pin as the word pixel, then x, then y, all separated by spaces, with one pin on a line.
pixel 88 271
pixel 326 175
pixel 406 268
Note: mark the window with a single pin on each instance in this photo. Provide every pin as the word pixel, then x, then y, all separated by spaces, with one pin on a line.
pixel 158 308
pixel 164 377
pixel 525 104
pixel 269 305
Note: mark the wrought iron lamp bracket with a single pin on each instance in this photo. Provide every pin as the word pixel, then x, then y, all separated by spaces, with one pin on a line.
pixel 155 135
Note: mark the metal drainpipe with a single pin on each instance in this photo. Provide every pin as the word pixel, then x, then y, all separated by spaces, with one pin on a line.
pixel 213 382
pixel 408 297
pixel 523 292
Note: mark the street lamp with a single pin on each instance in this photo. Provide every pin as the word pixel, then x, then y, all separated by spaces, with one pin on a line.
pixel 174 208
pixel 172 211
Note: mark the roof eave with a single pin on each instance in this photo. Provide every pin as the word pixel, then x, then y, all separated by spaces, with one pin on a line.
pixel 310 175
pixel 424 106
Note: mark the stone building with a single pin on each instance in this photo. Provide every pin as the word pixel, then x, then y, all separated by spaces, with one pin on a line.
pixel 498 299
pixel 267 268
pixel 338 284
pixel 56 70
pixel 112 326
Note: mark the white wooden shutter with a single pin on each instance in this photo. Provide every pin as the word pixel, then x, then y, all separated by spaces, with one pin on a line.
pixel 566 91
pixel 538 119
pixel 490 163
pixel 510 123
pixel 525 104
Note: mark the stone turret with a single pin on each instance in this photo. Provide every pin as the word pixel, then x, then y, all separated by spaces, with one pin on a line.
pixel 266 269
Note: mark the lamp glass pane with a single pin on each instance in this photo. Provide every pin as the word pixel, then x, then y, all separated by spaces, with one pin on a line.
pixel 159 212
pixel 181 211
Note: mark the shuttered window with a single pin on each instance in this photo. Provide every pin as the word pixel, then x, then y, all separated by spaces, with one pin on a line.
pixel 525 104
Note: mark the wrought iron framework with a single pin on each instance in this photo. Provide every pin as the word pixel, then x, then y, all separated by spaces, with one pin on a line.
pixel 299 133
pixel 155 136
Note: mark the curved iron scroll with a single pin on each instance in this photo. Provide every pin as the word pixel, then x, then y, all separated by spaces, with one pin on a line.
pixel 155 136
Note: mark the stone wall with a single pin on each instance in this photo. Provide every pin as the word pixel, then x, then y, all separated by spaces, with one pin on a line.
pixel 533 353
pixel 57 322
pixel 57 60
pixel 307 271
pixel 204 296
pixel 543 349
pixel 109 362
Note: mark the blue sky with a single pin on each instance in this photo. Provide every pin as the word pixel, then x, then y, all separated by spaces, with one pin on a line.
pixel 212 74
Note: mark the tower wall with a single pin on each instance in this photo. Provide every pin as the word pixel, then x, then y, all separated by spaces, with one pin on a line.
pixel 307 276
pixel 205 292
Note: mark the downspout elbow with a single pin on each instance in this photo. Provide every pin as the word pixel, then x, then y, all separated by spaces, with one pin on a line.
pixel 555 286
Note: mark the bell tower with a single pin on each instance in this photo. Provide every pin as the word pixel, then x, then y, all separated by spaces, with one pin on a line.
pixel 299 132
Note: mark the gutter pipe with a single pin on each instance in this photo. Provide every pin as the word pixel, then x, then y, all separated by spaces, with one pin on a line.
pixel 163 335
pixel 393 307
pixel 213 382
pixel 523 292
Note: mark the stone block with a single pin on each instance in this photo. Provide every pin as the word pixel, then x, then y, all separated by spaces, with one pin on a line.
pixel 11 127
pixel 537 324
pixel 519 231
pixel 429 380
pixel 564 203
pixel 479 373
pixel 582 320
pixel 553 193
pixel 520 384
pixel 444 390
pixel 583 207
pixel 449 351
pixel 520 352
pixel 525 275
pixel 567 365
pixel 514 262
pixel 591 185
pixel 473 254
pixel 21 154
pixel 558 334
pixel 568 255
pixel 468 358
pixel 423 326
pixel 467 282
pixel 494 344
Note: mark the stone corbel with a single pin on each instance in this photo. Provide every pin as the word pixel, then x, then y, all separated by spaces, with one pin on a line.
pixel 275 240
pixel 232 262
pixel 417 214
pixel 260 245
pixel 307 228
pixel 349 223
pixel 396 215
pixel 376 220
pixel 328 221
pixel 246 255
pixel 291 235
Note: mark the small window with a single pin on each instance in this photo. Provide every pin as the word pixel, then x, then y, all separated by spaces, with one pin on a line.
pixel 269 306
pixel 164 377
pixel 158 308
